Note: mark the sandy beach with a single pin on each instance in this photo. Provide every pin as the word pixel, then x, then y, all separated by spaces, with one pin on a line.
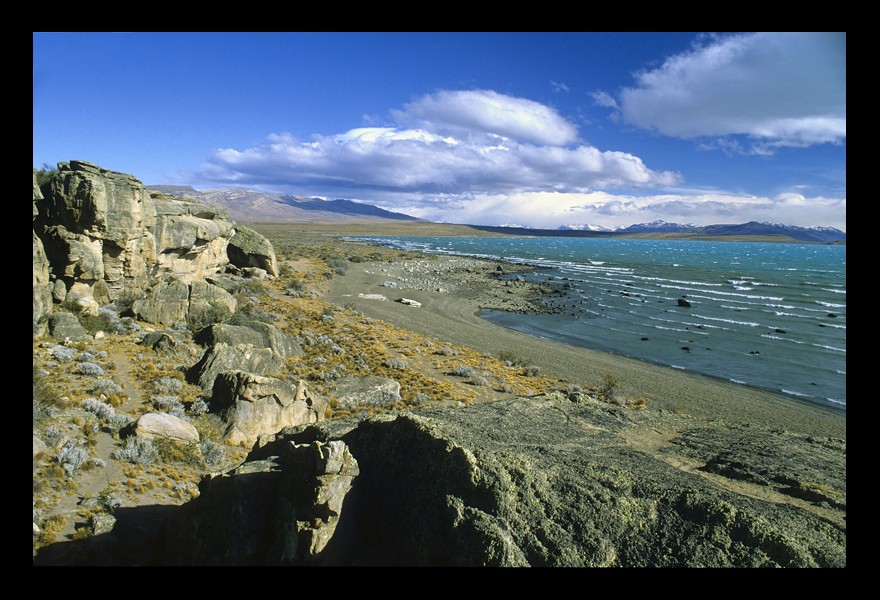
pixel 453 290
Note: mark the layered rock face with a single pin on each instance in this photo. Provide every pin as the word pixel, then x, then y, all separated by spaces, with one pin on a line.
pixel 541 481
pixel 100 235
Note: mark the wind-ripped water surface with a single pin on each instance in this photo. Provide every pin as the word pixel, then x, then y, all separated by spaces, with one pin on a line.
pixel 772 316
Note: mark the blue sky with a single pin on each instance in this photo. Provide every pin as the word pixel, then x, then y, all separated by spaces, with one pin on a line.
pixel 537 129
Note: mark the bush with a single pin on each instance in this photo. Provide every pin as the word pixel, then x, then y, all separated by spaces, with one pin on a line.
pixel 463 371
pixel 72 456
pixel 98 408
pixel 480 381
pixel 90 369
pixel 532 371
pixel 448 351
pixel 139 451
pixel 606 390
pixel 46 399
pixel 198 407
pixel 107 387
pixel 212 452
pixel 395 363
pixel 62 353
pixel 169 404
pixel 511 359
pixel 167 385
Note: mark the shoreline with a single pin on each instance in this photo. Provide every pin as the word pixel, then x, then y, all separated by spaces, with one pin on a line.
pixel 453 290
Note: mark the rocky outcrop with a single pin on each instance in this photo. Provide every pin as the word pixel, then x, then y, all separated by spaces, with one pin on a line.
pixel 191 238
pixel 166 426
pixel 252 405
pixel 354 392
pixel 255 333
pixel 281 510
pixel 98 226
pixel 232 357
pixel 102 229
pixel 42 290
pixel 247 248
pixel 542 481
pixel 175 300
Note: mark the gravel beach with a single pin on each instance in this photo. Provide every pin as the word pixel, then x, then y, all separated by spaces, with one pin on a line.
pixel 452 290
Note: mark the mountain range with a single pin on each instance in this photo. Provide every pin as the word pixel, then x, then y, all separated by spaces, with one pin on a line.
pixel 804 234
pixel 252 206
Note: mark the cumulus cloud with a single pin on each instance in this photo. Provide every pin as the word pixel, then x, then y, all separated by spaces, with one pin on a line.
pixel 777 89
pixel 456 143
pixel 466 112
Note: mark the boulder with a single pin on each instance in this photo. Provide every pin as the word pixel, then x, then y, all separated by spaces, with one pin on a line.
pixel 159 341
pixel 553 480
pixel 64 325
pixel 252 405
pixel 80 296
pixel 165 303
pixel 231 357
pixel 165 426
pixel 282 510
pixel 174 300
pixel 353 392
pixel 191 238
pixel 255 333
pixel 248 248
pixel 683 303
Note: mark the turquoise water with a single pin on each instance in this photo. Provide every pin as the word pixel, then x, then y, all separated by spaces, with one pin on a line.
pixel 772 316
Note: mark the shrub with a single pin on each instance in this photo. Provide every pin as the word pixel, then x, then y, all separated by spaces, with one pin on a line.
pixel 463 371
pixel 62 353
pixel 98 408
pixel 420 398
pixel 395 363
pixel 198 407
pixel 606 390
pixel 90 369
pixel 46 399
pixel 107 387
pixel 212 452
pixel 511 359
pixel 532 371
pixel 481 381
pixel 139 451
pixel 448 351
pixel 169 404
pixel 167 385
pixel 72 456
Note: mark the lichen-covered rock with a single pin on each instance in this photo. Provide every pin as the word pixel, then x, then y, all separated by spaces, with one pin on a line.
pixel 174 300
pixel 281 510
pixel 540 481
pixel 232 357
pixel 191 238
pixel 166 426
pixel 353 392
pixel 255 333
pixel 248 248
pixel 252 405
pixel 64 325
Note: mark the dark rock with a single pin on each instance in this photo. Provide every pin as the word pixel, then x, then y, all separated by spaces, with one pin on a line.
pixel 781 331
pixel 64 325
pixel 644 339
pixel 228 357
pixel 159 341
pixel 541 481
pixel 831 315
pixel 683 303
pixel 686 348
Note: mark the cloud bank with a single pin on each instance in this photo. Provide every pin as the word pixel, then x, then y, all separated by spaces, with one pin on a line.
pixel 461 142
pixel 777 89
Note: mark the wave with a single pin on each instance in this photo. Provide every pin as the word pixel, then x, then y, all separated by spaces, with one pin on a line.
pixel 836 401
pixel 834 291
pixel 740 381
pixel 747 323
pixel 829 348
pixel 682 281
pixel 776 337
pixel 793 393
pixel 830 304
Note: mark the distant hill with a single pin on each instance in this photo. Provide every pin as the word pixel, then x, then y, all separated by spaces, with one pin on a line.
pixel 254 207
pixel 752 229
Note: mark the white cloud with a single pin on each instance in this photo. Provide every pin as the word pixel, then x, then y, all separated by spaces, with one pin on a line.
pixel 604 99
pixel 470 112
pixel 778 89
pixel 559 87
pixel 439 154
pixel 552 209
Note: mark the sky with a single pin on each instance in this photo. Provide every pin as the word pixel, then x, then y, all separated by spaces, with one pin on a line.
pixel 529 129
